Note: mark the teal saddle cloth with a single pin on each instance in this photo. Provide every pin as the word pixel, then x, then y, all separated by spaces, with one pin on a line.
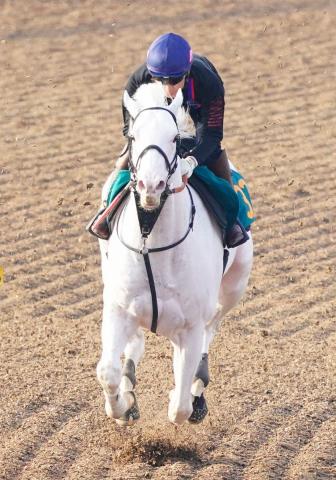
pixel 216 192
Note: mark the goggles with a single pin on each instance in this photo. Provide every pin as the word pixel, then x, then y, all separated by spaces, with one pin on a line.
pixel 170 80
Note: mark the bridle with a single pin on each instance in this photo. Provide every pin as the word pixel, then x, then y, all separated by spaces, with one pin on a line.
pixel 170 165
pixel 147 220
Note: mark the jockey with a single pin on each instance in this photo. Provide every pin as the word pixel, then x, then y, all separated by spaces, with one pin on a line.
pixel 170 61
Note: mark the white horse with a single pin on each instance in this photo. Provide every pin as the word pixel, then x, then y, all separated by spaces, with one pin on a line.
pixel 192 293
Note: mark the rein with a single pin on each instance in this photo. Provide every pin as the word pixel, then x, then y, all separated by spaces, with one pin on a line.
pixel 147 220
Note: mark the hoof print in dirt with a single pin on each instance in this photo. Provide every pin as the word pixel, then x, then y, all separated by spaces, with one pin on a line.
pixel 200 410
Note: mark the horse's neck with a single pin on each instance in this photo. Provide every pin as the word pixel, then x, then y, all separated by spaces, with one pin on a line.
pixel 171 225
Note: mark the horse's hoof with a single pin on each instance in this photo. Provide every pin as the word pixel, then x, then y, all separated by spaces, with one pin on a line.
pixel 200 410
pixel 131 415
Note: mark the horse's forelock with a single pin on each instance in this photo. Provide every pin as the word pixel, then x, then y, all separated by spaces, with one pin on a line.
pixel 152 95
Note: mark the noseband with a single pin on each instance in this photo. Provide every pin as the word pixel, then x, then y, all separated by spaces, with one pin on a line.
pixel 171 166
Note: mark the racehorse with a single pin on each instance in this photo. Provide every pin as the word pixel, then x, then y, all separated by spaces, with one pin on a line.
pixel 184 287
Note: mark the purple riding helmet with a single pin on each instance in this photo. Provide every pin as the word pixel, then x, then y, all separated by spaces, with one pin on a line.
pixel 169 56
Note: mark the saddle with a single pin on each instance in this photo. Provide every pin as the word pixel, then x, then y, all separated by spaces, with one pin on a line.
pixel 224 208
pixel 216 194
pixel 100 224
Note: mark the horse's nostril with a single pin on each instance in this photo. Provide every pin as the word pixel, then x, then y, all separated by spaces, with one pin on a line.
pixel 141 185
pixel 160 185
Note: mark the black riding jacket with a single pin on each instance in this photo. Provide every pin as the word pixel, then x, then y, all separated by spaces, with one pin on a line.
pixel 203 95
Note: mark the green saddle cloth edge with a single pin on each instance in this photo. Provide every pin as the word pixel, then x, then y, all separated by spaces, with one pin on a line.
pixel 221 190
pixel 246 214
pixel 235 204
pixel 123 177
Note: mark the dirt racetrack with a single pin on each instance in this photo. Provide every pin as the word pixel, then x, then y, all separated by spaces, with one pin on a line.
pixel 272 398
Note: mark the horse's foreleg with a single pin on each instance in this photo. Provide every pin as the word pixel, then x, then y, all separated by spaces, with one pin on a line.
pixel 187 352
pixel 133 352
pixel 116 331
pixel 202 376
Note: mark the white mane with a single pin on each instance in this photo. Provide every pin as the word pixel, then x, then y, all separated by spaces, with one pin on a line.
pixel 152 95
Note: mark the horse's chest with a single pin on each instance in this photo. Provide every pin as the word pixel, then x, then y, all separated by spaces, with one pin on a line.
pixel 170 314
pixel 138 302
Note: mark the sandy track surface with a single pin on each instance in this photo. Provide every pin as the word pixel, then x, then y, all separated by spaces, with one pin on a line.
pixel 272 397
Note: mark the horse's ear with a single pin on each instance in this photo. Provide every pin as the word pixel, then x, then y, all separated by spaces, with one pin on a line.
pixel 176 103
pixel 130 104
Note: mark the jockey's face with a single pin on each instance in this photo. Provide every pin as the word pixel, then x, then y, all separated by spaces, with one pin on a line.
pixel 170 91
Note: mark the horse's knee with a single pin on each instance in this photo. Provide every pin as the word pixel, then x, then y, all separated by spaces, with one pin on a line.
pixel 108 376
